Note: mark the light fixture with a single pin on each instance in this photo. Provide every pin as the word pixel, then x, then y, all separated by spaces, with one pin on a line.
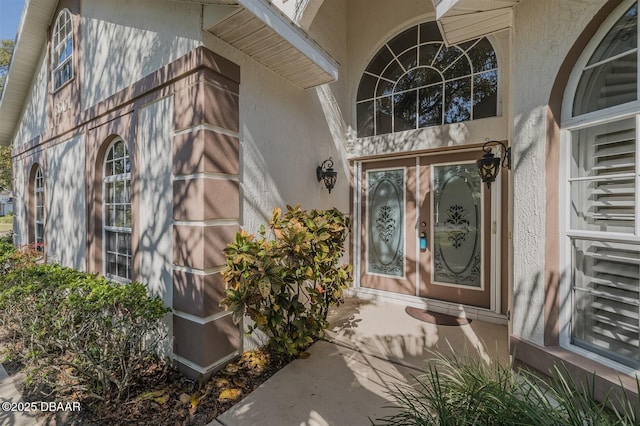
pixel 326 173
pixel 489 164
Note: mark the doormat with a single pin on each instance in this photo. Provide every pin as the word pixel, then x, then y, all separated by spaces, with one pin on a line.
pixel 435 317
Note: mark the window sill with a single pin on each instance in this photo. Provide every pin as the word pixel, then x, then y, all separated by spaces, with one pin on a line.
pixel 579 367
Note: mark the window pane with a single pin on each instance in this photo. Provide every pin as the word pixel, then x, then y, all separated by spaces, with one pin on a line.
pixel 427 53
pixel 366 87
pixel 404 40
pixel 485 95
pixel 383 115
pixel 430 106
pixel 385 213
pixel 460 68
pixel 446 57
pixel 606 291
pixel 418 77
pixel 483 57
pixel 385 87
pixel 405 111
pixel 457 100
pixel 621 38
pixel 457 218
pixel 409 59
pixel 606 85
pixel 380 61
pixel 429 31
pixel 365 119
pixel 393 71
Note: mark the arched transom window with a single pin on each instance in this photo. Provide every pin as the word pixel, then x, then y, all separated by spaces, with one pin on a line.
pixel 116 192
pixel 415 81
pixel 62 50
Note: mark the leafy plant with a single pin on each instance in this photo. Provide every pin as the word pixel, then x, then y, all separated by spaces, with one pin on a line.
pixel 77 331
pixel 464 391
pixel 287 284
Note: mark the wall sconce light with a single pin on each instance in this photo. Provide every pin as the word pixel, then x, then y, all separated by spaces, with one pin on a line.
pixel 326 173
pixel 489 164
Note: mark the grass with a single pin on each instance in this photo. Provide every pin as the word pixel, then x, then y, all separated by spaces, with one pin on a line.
pixel 464 391
pixel 5 227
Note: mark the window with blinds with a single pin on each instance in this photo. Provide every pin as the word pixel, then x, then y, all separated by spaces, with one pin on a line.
pixel 606 265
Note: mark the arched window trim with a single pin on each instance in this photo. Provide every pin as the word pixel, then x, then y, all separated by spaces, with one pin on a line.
pixel 464 49
pixel 629 108
pixel 64 47
pixel 119 233
pixel 38 208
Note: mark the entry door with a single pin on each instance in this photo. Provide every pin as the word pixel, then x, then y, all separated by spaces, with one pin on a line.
pixel 441 199
pixel 455 218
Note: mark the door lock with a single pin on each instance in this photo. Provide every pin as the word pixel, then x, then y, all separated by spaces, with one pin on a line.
pixel 423 241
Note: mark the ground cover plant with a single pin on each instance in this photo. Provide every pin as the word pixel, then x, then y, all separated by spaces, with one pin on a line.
pixel 462 390
pixel 287 280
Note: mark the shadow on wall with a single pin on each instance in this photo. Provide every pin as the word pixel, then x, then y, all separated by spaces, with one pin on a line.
pixel 119 49
pixel 65 227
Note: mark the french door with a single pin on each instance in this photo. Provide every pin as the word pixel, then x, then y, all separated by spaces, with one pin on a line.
pixel 425 228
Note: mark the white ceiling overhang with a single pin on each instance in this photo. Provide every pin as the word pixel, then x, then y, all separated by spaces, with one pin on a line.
pixel 260 30
pixel 462 20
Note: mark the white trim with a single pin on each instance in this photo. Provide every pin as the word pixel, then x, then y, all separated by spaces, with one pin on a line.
pixel 205 126
pixel 418 226
pixel 357 223
pixel 201 272
pixel 206 175
pixel 200 320
pixel 208 368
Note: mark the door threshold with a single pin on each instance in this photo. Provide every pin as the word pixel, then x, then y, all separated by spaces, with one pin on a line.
pixel 453 309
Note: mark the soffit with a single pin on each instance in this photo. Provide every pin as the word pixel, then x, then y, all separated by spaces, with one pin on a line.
pixel 462 20
pixel 262 32
pixel 32 30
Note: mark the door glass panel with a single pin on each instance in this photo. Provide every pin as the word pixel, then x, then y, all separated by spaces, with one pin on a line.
pixel 385 222
pixel 457 220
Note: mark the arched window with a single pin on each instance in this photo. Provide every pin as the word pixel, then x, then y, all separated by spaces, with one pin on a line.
pixel 601 113
pixel 62 50
pixel 415 81
pixel 116 192
pixel 38 209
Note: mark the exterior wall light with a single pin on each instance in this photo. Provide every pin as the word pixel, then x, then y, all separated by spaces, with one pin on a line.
pixel 489 164
pixel 326 173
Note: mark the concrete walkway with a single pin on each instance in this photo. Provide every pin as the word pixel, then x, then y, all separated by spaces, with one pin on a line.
pixel 9 396
pixel 372 347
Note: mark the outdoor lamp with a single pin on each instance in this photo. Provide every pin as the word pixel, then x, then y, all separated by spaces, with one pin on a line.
pixel 489 164
pixel 325 172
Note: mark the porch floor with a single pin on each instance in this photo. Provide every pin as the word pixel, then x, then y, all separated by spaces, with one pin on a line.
pixel 371 346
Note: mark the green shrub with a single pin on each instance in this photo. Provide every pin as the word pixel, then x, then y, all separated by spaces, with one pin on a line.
pixel 458 391
pixel 78 332
pixel 12 258
pixel 287 284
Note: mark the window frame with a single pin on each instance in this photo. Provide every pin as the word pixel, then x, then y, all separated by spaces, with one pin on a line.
pixel 570 124
pixel 57 43
pixel 38 190
pixel 441 86
pixel 117 230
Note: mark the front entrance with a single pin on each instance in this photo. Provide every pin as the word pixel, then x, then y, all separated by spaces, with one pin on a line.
pixel 426 228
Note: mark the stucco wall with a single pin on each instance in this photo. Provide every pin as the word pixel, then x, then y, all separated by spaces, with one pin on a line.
pixel 65 202
pixel 123 41
pixel 544 31
pixel 34 117
pixel 155 249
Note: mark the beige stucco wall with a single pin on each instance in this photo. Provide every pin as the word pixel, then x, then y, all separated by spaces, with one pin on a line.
pixel 123 41
pixel 65 203
pixel 34 116
pixel 544 31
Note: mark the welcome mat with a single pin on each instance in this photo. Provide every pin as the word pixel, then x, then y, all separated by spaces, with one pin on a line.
pixel 435 317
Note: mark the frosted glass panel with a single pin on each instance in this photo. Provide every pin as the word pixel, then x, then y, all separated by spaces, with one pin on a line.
pixel 385 222
pixel 457 219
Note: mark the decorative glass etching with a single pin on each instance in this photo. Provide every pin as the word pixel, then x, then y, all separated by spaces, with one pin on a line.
pixel 385 218
pixel 457 219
